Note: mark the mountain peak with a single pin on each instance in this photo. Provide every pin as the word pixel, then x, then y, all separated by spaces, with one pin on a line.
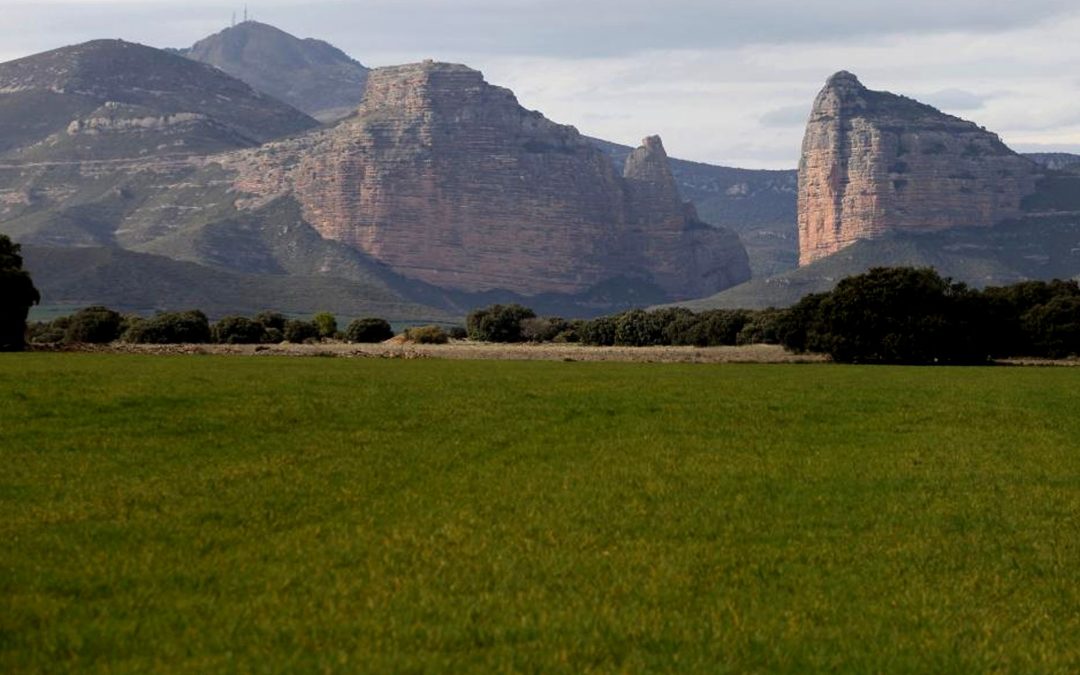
pixel 311 75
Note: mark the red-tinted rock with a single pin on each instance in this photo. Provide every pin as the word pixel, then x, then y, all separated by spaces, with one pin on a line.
pixel 874 163
pixel 446 179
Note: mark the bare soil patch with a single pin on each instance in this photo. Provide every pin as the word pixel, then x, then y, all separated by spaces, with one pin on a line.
pixel 465 350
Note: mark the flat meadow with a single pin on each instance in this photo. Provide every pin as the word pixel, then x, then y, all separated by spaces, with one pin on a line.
pixel 240 514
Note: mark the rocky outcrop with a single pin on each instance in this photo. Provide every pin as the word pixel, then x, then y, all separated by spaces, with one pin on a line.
pixel 448 180
pixel 875 163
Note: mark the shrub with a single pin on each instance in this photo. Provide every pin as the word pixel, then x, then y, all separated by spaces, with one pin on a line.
pixel 171 328
pixel 498 323
pixel 326 324
pixel 272 320
pixel 798 328
pixel 457 332
pixel 93 325
pixel 44 332
pixel 297 331
pixel 638 328
pixel 599 332
pixel 427 335
pixel 761 328
pixel 369 330
pixel 543 329
pixel 1053 328
pixel 899 315
pixel 239 330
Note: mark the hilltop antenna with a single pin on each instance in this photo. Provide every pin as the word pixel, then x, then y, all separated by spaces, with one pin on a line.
pixel 245 13
pixel 234 19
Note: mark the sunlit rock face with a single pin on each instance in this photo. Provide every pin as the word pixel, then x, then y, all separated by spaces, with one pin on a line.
pixel 874 162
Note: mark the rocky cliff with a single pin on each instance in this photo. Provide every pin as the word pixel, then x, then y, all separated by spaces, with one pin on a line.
pixel 875 163
pixel 446 179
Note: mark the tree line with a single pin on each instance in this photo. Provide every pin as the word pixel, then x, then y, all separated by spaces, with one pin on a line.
pixel 886 315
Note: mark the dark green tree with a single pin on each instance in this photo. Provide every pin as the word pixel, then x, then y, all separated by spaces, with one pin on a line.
pixel 1053 329
pixel 297 331
pixel 190 327
pixel 498 323
pixel 17 296
pixel 369 330
pixel 899 315
pixel 239 330
pixel 94 325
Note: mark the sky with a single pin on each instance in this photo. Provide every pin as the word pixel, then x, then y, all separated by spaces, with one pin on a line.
pixel 722 82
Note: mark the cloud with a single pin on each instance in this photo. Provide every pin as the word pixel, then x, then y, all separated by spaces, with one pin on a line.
pixel 952 100
pixel 723 81
pixel 788 116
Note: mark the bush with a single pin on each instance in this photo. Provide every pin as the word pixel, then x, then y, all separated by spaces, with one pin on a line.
pixel 498 323
pixel 170 328
pixel 325 324
pixel 272 320
pixel 713 328
pixel 17 295
pixel 369 330
pixel 239 330
pixel 599 332
pixel 798 328
pixel 543 329
pixel 1053 329
pixel 273 336
pixel 457 332
pixel 297 331
pixel 761 328
pixel 45 332
pixel 891 315
pixel 427 335
pixel 93 325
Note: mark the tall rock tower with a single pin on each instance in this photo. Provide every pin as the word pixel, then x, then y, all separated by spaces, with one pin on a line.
pixel 874 162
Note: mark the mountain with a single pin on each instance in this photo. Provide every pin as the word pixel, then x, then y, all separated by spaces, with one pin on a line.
pixel 885 180
pixel 110 99
pixel 310 75
pixel 758 205
pixel 1056 161
pixel 875 163
pixel 441 192
pixel 446 179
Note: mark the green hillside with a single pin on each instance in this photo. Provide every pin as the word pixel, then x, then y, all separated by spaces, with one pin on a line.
pixel 1037 247
pixel 144 283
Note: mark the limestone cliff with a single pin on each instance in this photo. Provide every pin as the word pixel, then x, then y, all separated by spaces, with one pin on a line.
pixel 448 180
pixel 874 162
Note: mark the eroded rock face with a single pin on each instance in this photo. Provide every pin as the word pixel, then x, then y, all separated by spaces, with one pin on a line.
pixel 448 180
pixel 873 162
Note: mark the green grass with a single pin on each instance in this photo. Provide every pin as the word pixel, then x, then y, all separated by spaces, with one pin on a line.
pixel 205 514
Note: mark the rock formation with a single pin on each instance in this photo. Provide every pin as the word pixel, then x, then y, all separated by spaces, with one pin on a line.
pixel 448 180
pixel 874 163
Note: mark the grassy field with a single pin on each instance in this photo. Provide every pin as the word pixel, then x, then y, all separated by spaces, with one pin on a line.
pixel 216 514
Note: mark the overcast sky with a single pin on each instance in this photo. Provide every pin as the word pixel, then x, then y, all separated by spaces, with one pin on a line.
pixel 723 82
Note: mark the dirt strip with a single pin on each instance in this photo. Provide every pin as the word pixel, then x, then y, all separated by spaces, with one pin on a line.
pixel 464 350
